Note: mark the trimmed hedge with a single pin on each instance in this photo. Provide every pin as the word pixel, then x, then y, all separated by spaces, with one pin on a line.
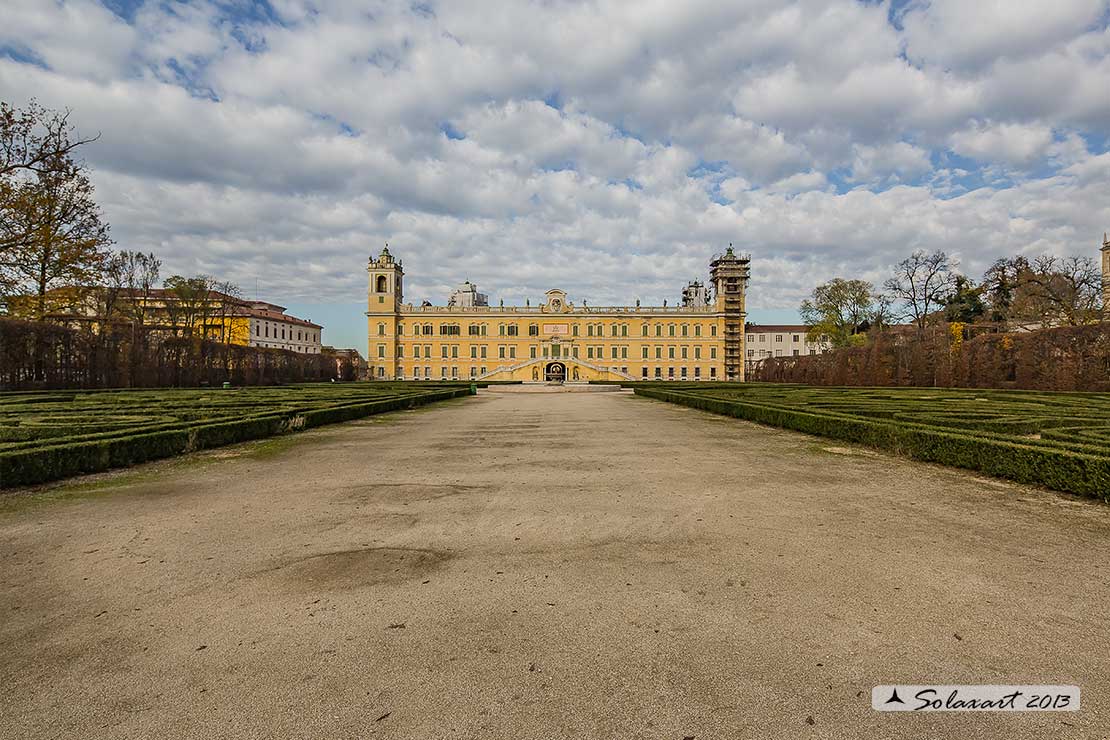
pixel 1085 471
pixel 27 465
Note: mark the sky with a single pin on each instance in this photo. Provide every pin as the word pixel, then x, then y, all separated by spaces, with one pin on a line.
pixel 605 148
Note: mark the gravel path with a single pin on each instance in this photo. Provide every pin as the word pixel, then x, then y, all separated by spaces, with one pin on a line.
pixel 518 565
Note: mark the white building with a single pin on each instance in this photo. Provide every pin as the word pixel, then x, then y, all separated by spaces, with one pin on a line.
pixel 271 327
pixel 467 295
pixel 780 340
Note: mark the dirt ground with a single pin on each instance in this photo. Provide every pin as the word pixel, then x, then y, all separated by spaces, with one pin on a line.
pixel 519 565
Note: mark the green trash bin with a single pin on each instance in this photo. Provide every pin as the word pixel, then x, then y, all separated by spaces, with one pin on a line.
pixel 473 389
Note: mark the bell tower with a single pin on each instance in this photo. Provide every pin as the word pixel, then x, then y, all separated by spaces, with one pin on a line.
pixel 729 274
pixel 383 310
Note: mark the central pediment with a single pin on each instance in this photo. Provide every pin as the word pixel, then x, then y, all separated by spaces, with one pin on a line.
pixel 556 301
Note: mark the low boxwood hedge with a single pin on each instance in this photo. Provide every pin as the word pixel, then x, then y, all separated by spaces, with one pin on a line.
pixel 1083 472
pixel 53 459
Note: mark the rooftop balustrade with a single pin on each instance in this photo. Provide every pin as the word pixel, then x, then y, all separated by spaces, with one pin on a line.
pixel 408 308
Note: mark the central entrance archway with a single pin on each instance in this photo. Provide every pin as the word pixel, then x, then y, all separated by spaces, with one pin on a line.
pixel 555 372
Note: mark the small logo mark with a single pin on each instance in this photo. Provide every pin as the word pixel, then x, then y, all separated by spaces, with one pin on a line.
pixel 975 698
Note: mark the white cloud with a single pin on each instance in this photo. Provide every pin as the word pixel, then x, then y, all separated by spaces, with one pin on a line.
pixel 608 148
pixel 895 162
pixel 1011 144
pixel 960 33
pixel 800 183
pixel 80 37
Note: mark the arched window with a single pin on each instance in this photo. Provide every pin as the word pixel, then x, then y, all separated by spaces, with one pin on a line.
pixel 624 330
pixel 685 330
pixel 644 330
pixel 533 330
pixel 381 330
pixel 428 329
pixel 383 284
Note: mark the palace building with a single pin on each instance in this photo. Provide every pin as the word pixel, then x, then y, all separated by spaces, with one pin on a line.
pixel 702 338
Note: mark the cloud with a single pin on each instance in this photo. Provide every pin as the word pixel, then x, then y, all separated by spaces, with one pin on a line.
pixel 81 37
pixel 895 162
pixel 1012 144
pixel 606 148
pixel 800 183
pixel 955 33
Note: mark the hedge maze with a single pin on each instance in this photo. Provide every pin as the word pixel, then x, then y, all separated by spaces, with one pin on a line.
pixel 1057 440
pixel 55 434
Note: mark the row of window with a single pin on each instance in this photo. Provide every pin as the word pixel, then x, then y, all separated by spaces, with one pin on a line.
pixel 778 337
pixel 295 348
pixel 261 330
pixel 508 352
pixel 778 352
pixel 513 330
pixel 425 373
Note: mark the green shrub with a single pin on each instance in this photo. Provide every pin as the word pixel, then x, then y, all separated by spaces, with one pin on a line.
pixel 239 418
pixel 1084 471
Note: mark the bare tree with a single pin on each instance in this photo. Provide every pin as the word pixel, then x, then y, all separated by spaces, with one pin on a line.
pixel 1000 286
pixel 1065 290
pixel 142 282
pixel 882 311
pixel 129 279
pixel 35 139
pixel 920 283
pixel 112 295
pixel 1045 290
pixel 229 301
pixel 130 285
pixel 187 303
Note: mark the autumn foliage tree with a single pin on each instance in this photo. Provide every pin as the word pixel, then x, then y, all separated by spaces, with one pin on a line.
pixel 52 234
pixel 843 310
pixel 69 244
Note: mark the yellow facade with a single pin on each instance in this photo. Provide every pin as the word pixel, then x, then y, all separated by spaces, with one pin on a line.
pixel 226 329
pixel 557 340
